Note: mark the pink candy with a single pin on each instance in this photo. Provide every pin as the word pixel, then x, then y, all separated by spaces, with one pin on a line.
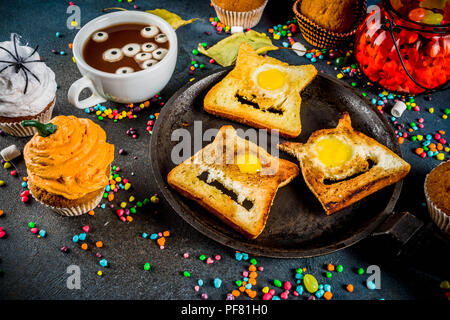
pixel 34 230
pixel 287 285
pixel 284 295
pixel 209 260
pixel 267 296
pixel 86 228
pixel 186 255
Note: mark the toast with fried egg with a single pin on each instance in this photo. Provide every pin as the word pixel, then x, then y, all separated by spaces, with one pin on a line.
pixel 234 179
pixel 342 166
pixel 262 92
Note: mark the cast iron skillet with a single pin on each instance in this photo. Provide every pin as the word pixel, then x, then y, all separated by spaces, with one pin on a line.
pixel 297 226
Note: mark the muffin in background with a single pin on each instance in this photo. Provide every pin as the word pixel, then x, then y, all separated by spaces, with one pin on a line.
pixel 27 88
pixel 244 13
pixel 68 164
pixel 437 194
pixel 336 15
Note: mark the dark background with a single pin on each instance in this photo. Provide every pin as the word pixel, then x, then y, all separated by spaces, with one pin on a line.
pixel 35 268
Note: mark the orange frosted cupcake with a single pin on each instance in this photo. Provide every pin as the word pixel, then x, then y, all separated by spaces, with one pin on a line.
pixel 68 164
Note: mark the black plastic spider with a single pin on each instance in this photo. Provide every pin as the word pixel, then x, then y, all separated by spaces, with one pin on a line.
pixel 19 62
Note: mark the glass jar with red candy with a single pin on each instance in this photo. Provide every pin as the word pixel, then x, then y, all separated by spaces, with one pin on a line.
pixel 404 45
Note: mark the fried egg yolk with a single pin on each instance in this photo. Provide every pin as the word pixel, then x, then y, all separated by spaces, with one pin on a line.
pixel 332 152
pixel 271 79
pixel 248 163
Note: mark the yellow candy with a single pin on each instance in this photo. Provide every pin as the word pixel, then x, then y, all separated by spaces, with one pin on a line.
pixel 7 165
pixel 123 204
pixel 431 110
pixel 131 199
pixel 440 156
pixel 265 289
pixel 444 116
pixel 127 186
pixel 2 182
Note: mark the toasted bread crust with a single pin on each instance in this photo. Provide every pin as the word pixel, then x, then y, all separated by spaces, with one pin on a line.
pixel 221 100
pixel 257 188
pixel 341 194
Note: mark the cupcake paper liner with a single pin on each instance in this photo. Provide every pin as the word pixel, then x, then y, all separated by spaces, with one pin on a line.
pixel 78 210
pixel 246 19
pixel 16 128
pixel 323 38
pixel 440 218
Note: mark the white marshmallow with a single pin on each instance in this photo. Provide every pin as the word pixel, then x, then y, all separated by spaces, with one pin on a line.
pixel 236 29
pixel 10 153
pixel 148 63
pixel 149 47
pixel 150 31
pixel 142 56
pixel 113 55
pixel 398 109
pixel 100 36
pixel 299 49
pixel 124 70
pixel 159 54
pixel 131 49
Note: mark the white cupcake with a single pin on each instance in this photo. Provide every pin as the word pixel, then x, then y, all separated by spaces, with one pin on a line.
pixel 27 88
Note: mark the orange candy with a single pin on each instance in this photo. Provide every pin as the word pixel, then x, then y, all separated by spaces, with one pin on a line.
pixel 84 246
pixel 250 293
pixel 253 275
pixel 401 140
pixel 330 267
pixel 241 289
pixel 166 233
pixel 161 241
pixel 252 268
pixel 419 151
pixel 99 244
pixel 349 287
pixel 1 212
pixel 327 295
pixel 129 219
pixel 252 281
pixel 235 293
pixel 91 213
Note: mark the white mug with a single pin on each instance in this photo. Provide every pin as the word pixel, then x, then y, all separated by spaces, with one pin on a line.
pixel 123 88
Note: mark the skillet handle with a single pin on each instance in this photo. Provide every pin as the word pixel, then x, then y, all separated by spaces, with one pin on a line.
pixel 400 228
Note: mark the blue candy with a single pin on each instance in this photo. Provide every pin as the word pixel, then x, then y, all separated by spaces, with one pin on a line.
pixel 276 298
pixel 75 238
pixel 153 236
pixel 238 256
pixel 82 236
pixel 144 235
pixel 319 294
pixel 327 287
pixel 217 283
pixel 103 262
pixel 371 285
pixel 42 233
pixel 200 282
pixel 299 289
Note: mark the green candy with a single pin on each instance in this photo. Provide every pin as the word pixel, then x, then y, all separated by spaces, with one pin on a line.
pixel 147 266
pixel 310 283
pixel 277 283
pixel 44 130
pixel 31 225
pixel 339 268
pixel 253 261
pixel 195 52
pixel 299 270
pixel 133 210
pixel 202 257
pixel 361 271
pixel 238 283
pixel 328 274
pixel 186 274
pixel 447 111
pixel 139 204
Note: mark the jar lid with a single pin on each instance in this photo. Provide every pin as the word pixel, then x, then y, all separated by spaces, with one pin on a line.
pixel 429 12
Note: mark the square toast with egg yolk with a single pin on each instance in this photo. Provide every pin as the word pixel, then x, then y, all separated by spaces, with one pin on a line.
pixel 262 92
pixel 362 168
pixel 234 179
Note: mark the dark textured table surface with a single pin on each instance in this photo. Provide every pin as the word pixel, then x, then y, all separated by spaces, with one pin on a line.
pixel 35 268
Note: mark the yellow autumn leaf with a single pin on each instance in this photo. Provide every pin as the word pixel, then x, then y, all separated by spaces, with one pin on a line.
pixel 226 50
pixel 173 19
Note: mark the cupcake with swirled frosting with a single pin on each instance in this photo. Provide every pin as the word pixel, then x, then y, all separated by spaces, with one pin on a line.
pixel 68 164
pixel 27 87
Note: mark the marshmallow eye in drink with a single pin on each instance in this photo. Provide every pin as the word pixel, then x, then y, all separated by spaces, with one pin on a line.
pixel 126 48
